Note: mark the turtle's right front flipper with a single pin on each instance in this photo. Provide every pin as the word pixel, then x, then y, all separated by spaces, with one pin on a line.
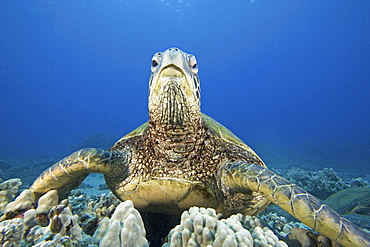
pixel 69 173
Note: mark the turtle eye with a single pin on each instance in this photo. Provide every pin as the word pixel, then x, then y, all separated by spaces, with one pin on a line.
pixel 193 64
pixel 155 61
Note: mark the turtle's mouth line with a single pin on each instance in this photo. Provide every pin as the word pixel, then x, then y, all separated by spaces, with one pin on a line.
pixel 171 72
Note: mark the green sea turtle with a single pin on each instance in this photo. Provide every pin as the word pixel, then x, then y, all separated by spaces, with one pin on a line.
pixel 354 203
pixel 182 158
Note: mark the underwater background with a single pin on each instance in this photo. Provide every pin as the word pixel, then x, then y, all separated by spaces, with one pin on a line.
pixel 290 78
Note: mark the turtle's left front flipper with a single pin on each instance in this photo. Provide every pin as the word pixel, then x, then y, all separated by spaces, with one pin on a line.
pixel 244 178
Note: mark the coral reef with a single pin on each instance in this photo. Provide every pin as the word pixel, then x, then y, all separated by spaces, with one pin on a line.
pixel 63 229
pixel 322 183
pixel 295 234
pixel 109 222
pixel 201 227
pixel 102 205
pixel 26 169
pixel 92 209
pixel 54 224
pixel 47 201
pixel 51 224
pixel 21 203
pixel 85 220
pixel 303 238
pixel 124 228
pixel 8 191
pixel 11 232
pixel 281 224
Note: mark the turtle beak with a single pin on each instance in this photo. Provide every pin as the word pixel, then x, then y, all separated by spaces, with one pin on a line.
pixel 172 67
pixel 173 88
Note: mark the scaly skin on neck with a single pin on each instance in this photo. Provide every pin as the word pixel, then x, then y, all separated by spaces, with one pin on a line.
pixel 175 123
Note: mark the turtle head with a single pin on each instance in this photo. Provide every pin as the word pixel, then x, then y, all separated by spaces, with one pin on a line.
pixel 174 90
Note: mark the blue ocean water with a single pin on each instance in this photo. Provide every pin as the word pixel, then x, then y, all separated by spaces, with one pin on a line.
pixel 290 78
